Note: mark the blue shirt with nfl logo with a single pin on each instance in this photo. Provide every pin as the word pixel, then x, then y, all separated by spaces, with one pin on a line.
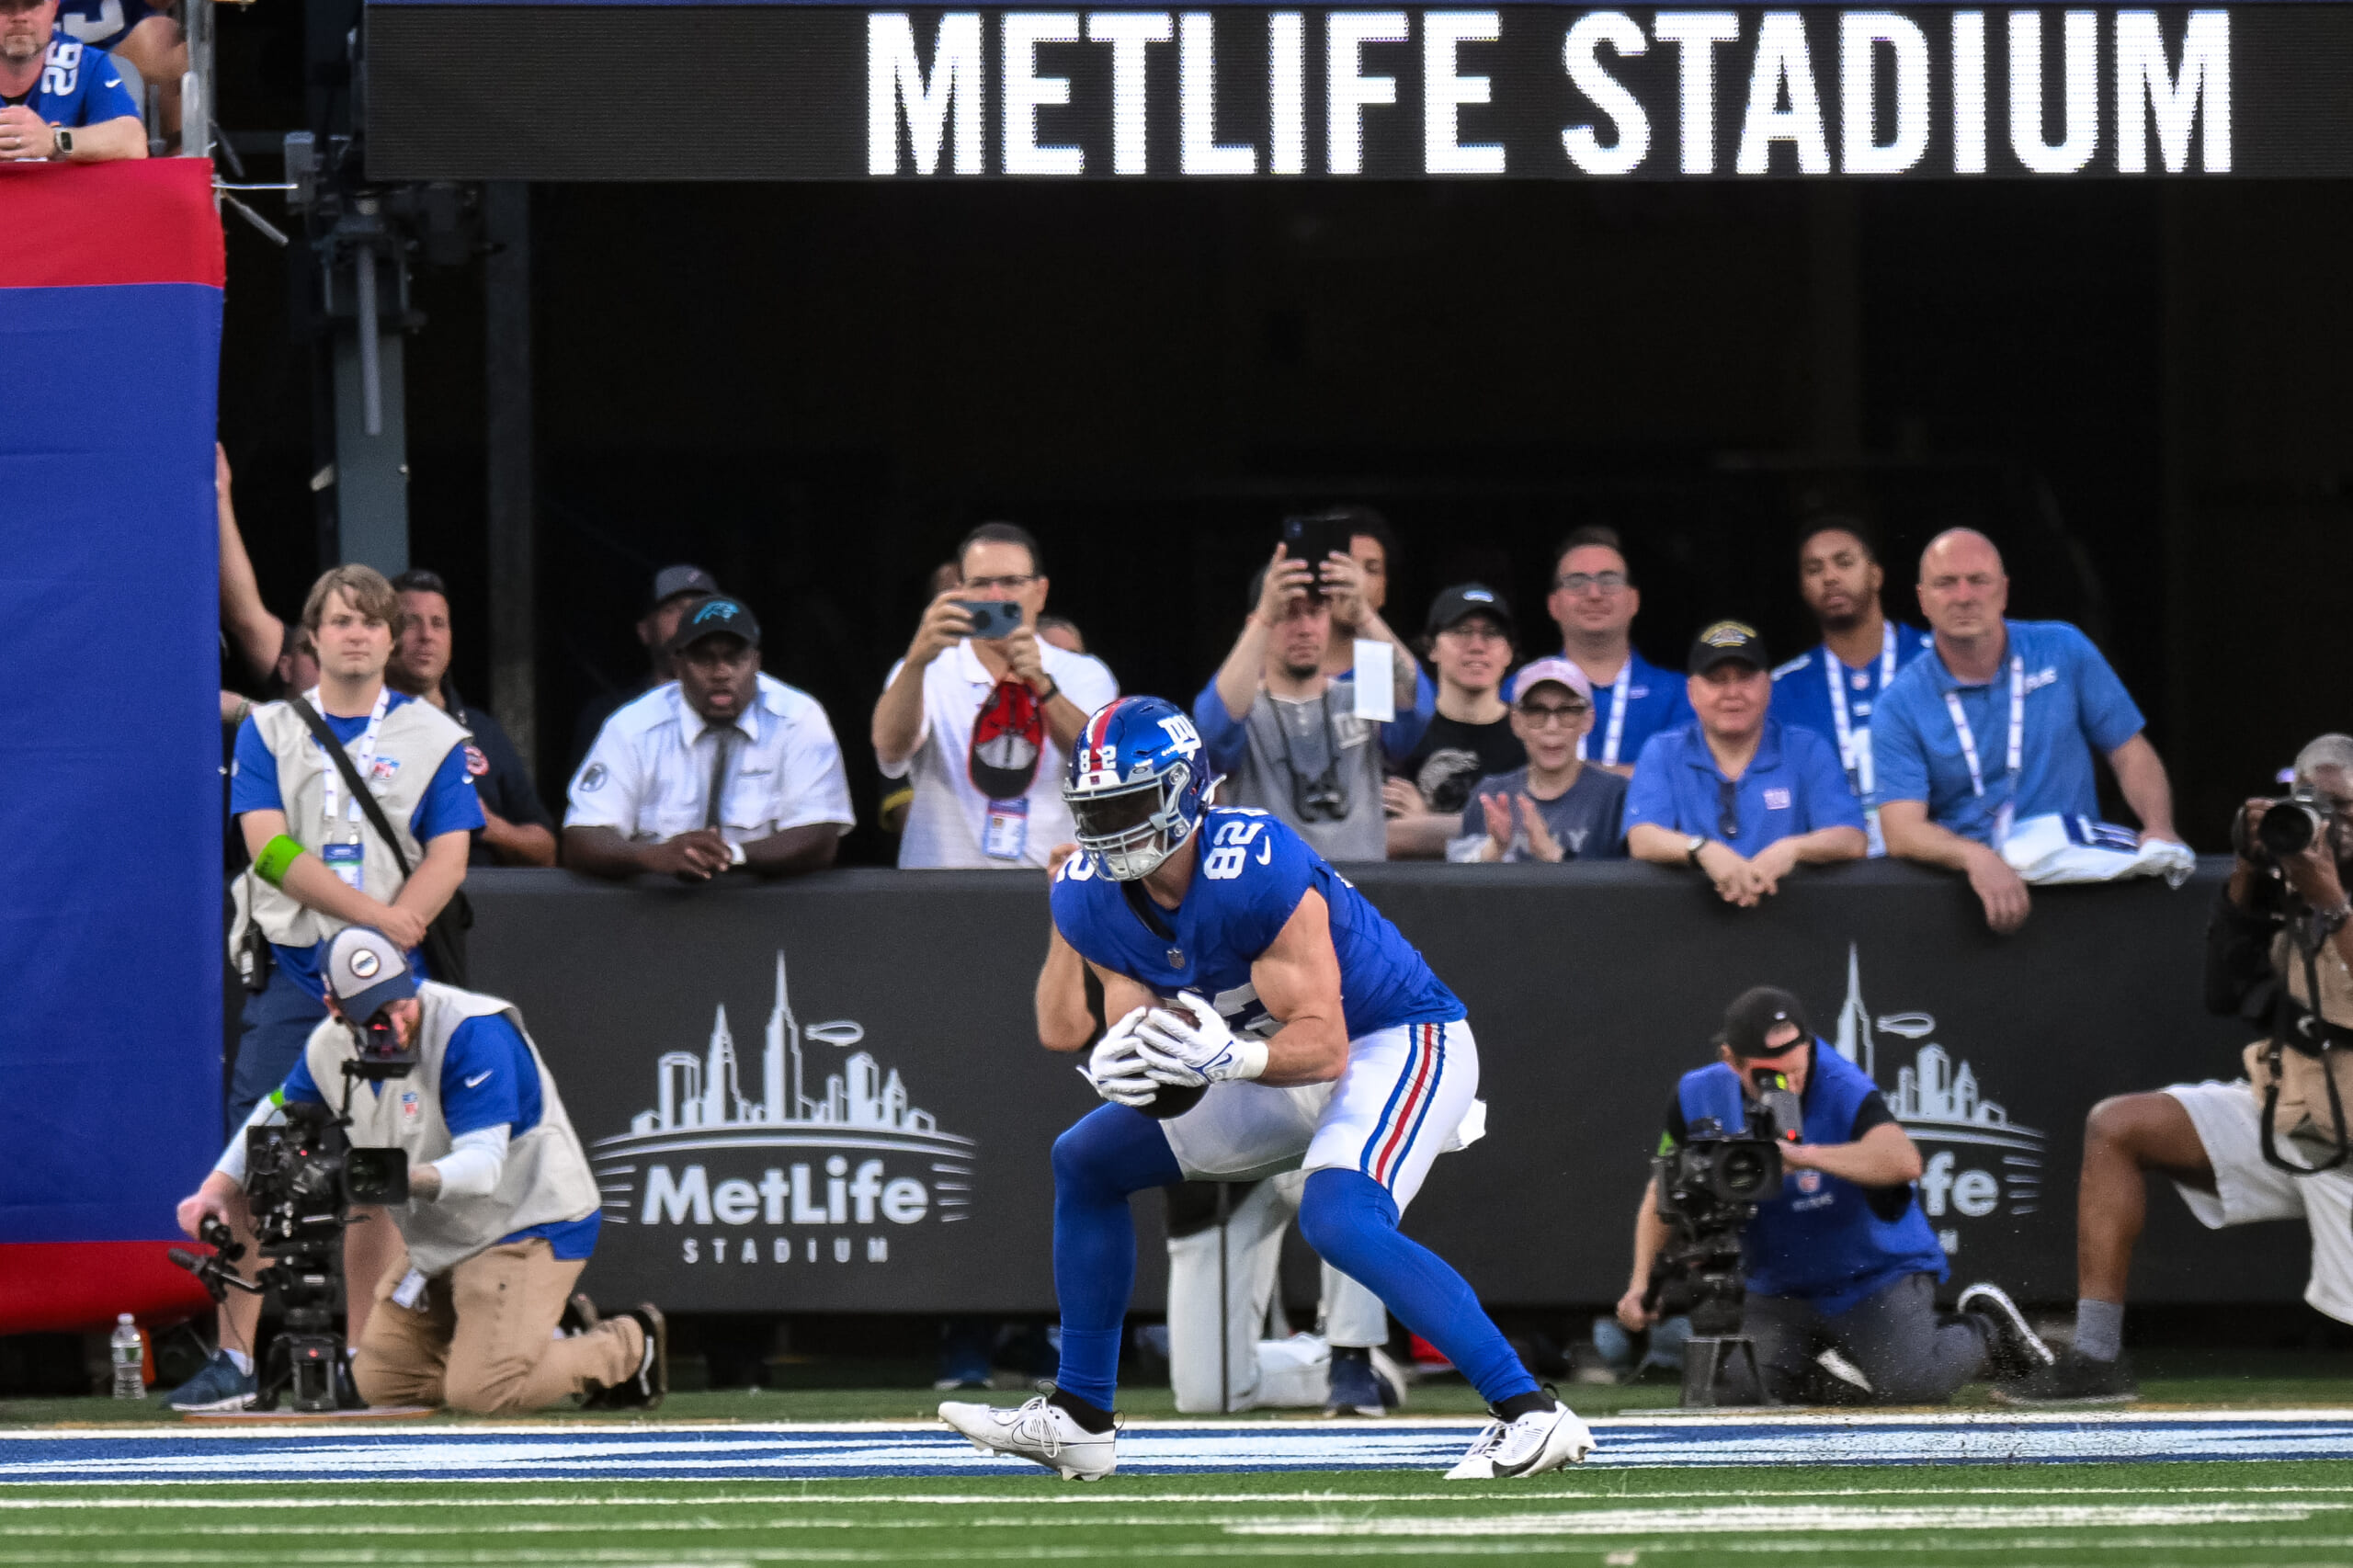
pixel 1249 879
pixel 1802 690
pixel 1793 785
pixel 79 85
pixel 488 1078
pixel 1656 701
pixel 2074 706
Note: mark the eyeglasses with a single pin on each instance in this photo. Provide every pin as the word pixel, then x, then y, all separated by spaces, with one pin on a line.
pixel 1582 582
pixel 991 584
pixel 1727 808
pixel 1561 718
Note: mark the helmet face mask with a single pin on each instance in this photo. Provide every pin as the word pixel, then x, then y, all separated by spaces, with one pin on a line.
pixel 1133 789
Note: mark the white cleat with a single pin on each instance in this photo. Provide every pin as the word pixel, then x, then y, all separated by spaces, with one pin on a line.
pixel 1543 1441
pixel 1042 1433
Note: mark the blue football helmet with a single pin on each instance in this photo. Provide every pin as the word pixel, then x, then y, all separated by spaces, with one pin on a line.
pixel 1135 785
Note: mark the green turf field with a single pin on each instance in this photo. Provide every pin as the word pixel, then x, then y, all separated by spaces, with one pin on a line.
pixel 2219 1514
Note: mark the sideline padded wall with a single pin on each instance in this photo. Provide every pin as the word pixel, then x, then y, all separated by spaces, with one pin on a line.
pixel 110 291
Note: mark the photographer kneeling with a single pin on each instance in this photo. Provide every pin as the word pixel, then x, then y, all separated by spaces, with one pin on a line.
pixel 1841 1258
pixel 503 1209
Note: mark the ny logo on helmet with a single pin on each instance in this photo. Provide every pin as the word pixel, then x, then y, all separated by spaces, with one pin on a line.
pixel 1182 736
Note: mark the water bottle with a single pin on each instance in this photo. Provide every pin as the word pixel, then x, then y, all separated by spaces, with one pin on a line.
pixel 130 1358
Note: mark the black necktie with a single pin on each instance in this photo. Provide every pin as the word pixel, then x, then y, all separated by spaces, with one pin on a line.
pixel 722 752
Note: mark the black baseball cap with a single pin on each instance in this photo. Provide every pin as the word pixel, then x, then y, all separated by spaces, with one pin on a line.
pixel 673 581
pixel 1755 1014
pixel 714 615
pixel 1723 640
pixel 1458 603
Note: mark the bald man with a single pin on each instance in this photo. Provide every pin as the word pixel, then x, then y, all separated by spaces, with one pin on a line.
pixel 2000 727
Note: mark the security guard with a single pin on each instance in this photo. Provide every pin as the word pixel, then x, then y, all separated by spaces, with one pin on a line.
pixel 503 1209
pixel 1842 1258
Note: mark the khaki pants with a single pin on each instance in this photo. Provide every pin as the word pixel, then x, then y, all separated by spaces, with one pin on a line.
pixel 481 1338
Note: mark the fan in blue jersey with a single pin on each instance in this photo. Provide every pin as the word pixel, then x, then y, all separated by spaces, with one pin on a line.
pixel 60 98
pixel 139 34
pixel 1267 1019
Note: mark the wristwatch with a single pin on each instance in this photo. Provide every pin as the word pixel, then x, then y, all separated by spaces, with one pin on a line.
pixel 1691 850
pixel 1054 689
pixel 65 140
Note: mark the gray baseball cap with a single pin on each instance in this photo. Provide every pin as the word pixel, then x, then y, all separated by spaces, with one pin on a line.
pixel 365 973
pixel 673 581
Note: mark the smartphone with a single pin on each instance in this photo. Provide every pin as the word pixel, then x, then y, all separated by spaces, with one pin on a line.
pixel 992 619
pixel 1313 537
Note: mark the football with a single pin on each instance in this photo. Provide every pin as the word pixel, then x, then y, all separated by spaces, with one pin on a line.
pixel 1172 1100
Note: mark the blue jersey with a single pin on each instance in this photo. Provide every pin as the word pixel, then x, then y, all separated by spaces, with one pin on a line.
pixel 488 1077
pixel 1251 874
pixel 80 86
pixel 1804 699
pixel 101 24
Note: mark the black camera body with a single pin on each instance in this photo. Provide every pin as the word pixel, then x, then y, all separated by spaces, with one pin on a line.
pixel 2287 829
pixel 303 1177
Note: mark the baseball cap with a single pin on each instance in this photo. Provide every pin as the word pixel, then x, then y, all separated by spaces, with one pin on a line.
pixel 1536 672
pixel 365 971
pixel 672 581
pixel 1727 639
pixel 1757 1013
pixel 1459 603
pixel 714 615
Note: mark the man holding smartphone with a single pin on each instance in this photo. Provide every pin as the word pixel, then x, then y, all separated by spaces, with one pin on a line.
pixel 976 703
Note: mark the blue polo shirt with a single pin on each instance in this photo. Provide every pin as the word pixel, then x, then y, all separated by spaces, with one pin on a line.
pixel 2074 706
pixel 1656 701
pixel 1802 692
pixel 1793 785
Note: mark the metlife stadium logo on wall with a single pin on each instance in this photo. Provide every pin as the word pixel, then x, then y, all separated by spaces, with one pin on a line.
pixel 786 1172
pixel 1977 1163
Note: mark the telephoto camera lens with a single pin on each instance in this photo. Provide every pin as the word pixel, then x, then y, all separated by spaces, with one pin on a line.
pixel 1743 1174
pixel 2289 827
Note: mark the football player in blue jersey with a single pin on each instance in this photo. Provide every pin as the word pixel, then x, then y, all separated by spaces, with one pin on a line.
pixel 1268 1018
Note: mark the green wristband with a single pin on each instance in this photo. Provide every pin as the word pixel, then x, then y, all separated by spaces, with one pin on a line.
pixel 275 858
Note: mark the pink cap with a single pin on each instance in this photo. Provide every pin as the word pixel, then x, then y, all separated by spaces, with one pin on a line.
pixel 1555 668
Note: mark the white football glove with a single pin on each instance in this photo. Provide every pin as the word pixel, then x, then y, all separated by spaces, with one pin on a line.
pixel 1190 1052
pixel 1115 1068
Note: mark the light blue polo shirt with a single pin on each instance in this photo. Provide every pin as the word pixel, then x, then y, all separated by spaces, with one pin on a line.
pixel 1793 785
pixel 2074 706
pixel 1656 701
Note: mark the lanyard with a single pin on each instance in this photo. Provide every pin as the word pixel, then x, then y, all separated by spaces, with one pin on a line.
pixel 1834 670
pixel 363 760
pixel 1616 714
pixel 2017 728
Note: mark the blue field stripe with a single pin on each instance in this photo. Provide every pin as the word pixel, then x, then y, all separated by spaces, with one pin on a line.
pixel 750 1453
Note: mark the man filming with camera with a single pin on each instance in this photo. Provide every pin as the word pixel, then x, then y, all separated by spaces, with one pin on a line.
pixel 502 1209
pixel 1838 1257
pixel 2272 1145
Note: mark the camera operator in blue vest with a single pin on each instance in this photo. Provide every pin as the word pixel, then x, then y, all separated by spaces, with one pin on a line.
pixel 1842 1260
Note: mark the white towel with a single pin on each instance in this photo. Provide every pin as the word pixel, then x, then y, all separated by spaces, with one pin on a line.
pixel 2058 848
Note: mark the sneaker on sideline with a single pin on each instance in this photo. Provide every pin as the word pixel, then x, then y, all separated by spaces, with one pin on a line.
pixel 218 1385
pixel 1041 1432
pixel 2072 1379
pixel 1538 1441
pixel 1370 1385
pixel 2016 1350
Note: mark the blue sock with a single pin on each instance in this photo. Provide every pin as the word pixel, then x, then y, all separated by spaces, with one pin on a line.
pixel 1351 1221
pixel 1111 1153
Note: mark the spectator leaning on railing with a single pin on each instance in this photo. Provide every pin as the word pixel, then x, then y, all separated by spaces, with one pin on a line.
pixel 1285 735
pixel 516 828
pixel 318 863
pixel 1832 689
pixel 1734 793
pixel 723 769
pixel 61 99
pixel 1558 807
pixel 1983 751
pixel 981 725
pixel 1470 635
pixel 144 39
pixel 1594 601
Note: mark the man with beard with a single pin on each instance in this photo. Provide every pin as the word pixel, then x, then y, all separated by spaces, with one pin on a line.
pixel 61 99
pixel 967 720
pixel 1832 689
pixel 725 768
pixel 1285 734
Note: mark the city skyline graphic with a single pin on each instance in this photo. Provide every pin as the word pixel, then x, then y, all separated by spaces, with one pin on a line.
pixel 1937 1096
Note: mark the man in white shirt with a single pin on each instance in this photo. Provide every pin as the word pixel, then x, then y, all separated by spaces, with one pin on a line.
pixel 982 726
pixel 725 767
